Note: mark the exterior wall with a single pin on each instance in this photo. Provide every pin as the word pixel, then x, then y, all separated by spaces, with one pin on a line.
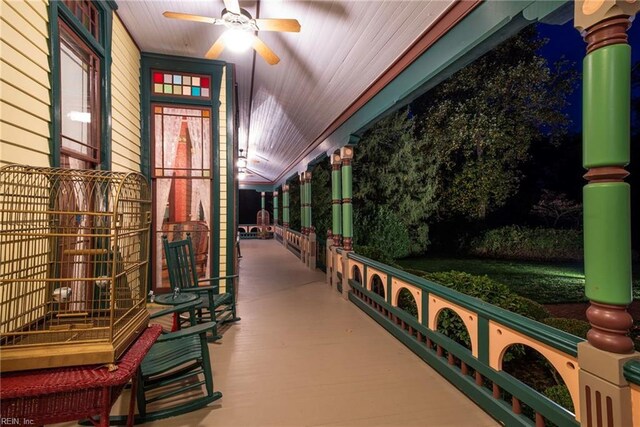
pixel 25 99
pixel 125 100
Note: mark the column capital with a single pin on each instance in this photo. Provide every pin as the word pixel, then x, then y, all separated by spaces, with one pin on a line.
pixel 336 160
pixel 588 13
pixel 275 193
pixel 262 193
pixel 346 152
pixel 307 176
pixel 285 188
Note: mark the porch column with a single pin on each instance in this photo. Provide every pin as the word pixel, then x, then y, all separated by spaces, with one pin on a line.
pixel 336 199
pixel 285 213
pixel 262 203
pixel 275 208
pixel 285 205
pixel 607 219
pixel 303 219
pixel 307 190
pixel 346 153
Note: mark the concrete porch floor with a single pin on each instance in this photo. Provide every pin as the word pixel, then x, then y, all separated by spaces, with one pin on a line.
pixel 303 356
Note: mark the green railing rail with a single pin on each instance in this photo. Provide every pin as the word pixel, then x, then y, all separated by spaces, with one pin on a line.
pixel 501 395
pixel 632 371
pixel 555 338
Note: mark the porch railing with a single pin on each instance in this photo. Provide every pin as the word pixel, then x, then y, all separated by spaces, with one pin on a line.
pixel 477 372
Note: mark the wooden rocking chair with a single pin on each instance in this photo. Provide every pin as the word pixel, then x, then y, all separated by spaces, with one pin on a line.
pixel 181 264
pixel 176 373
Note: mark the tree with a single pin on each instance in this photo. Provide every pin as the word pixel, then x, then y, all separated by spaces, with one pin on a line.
pixel 321 208
pixel 294 204
pixel 554 207
pixel 481 122
pixel 388 171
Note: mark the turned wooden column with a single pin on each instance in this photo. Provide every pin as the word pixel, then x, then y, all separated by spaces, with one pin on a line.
pixel 346 154
pixel 336 199
pixel 607 211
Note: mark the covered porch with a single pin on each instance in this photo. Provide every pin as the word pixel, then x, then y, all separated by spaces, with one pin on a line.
pixel 304 356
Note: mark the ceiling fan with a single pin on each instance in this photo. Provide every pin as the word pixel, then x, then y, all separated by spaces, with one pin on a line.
pixel 240 27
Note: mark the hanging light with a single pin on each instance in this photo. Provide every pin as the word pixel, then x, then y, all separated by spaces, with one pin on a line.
pixel 242 160
pixel 242 174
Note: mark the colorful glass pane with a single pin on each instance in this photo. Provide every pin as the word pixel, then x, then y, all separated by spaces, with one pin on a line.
pixel 181 84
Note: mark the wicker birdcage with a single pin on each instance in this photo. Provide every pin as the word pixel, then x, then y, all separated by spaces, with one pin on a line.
pixel 74 257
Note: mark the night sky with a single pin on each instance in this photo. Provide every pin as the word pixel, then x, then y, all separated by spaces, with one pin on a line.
pixel 566 42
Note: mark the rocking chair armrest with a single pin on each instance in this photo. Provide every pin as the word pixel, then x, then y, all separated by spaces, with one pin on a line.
pixel 201 289
pixel 186 332
pixel 211 279
pixel 176 309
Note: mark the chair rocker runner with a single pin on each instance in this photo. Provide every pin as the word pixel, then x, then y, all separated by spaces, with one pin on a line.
pixel 181 265
pixel 178 363
pixel 175 376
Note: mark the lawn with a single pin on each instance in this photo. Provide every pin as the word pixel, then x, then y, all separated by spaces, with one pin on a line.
pixel 542 282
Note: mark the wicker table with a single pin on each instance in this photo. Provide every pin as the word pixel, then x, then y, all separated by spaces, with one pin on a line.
pixel 47 396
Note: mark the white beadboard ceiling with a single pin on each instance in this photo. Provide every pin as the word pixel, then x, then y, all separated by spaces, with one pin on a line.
pixel 342 48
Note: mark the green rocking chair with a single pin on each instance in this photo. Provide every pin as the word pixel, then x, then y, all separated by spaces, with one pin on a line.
pixel 214 307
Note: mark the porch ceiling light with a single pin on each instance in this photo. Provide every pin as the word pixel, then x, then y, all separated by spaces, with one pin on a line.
pixel 237 40
pixel 242 174
pixel 242 160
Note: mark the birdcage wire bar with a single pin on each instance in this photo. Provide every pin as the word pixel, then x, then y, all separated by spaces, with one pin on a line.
pixel 74 257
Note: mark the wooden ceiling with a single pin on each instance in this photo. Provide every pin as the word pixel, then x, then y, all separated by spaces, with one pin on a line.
pixel 285 109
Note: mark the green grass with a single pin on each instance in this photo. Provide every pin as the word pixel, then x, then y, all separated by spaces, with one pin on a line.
pixel 543 282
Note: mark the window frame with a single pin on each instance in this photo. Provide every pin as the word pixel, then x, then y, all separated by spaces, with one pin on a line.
pixel 101 48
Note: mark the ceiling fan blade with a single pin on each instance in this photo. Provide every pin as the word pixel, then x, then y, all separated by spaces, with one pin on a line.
pixel 232 6
pixel 264 51
pixel 288 25
pixel 216 49
pixel 189 17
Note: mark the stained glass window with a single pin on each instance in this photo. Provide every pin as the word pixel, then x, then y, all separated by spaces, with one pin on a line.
pixel 174 84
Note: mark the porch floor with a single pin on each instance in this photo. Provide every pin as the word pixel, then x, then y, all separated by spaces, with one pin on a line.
pixel 303 356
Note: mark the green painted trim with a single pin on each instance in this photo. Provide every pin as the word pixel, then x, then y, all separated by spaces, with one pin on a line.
pixel 364 278
pixel 102 48
pixel 555 338
pixel 607 242
pixel 483 339
pixel 54 82
pixel 389 290
pixel 632 371
pixel 605 106
pixel 482 396
pixel 232 186
pixel 425 308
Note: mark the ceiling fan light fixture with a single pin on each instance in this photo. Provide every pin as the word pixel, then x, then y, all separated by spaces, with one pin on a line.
pixel 237 40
